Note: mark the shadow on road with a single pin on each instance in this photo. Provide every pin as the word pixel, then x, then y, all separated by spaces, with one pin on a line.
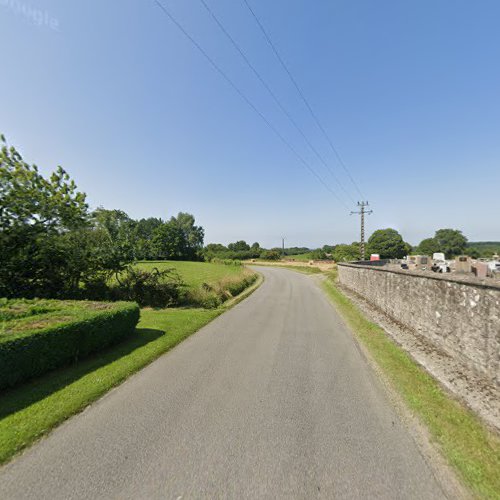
pixel 22 396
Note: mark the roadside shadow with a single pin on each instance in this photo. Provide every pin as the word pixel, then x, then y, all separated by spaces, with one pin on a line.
pixel 19 397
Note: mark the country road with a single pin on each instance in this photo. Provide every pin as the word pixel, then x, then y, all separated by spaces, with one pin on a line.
pixel 273 399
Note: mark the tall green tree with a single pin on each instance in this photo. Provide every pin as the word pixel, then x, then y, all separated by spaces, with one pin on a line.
pixel 451 242
pixel 239 246
pixel 36 214
pixel 428 246
pixel 388 243
pixel 193 235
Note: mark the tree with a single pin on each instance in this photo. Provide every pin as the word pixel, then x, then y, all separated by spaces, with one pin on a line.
pixel 116 238
pixel 35 215
pixel 239 246
pixel 388 243
pixel 451 242
pixel 344 253
pixel 214 248
pixel 193 235
pixel 428 246
pixel 169 241
pixel 142 235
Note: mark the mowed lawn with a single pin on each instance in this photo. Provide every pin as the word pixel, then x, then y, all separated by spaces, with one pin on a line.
pixel 194 274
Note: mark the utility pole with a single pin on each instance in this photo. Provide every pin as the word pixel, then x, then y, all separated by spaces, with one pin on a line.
pixel 282 246
pixel 362 211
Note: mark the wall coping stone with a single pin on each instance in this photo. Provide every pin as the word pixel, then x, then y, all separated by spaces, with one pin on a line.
pixel 421 274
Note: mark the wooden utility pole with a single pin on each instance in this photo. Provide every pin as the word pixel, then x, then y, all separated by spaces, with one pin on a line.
pixel 362 211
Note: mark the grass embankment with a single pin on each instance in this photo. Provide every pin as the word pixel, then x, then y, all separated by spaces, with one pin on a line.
pixel 465 442
pixel 194 274
pixel 29 411
pixel 208 284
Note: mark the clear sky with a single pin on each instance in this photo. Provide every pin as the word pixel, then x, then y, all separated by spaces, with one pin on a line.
pixel 409 92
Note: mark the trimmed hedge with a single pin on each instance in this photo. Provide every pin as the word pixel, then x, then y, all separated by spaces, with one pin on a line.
pixel 78 329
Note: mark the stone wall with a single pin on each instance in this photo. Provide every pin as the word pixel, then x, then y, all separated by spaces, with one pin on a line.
pixel 460 318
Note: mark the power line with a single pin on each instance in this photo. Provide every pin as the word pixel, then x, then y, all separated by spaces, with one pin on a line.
pixel 303 97
pixel 273 95
pixel 245 98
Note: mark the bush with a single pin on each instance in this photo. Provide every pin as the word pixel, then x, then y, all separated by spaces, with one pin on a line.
pixel 213 295
pixel 270 255
pixel 149 288
pixel 41 335
pixel 227 262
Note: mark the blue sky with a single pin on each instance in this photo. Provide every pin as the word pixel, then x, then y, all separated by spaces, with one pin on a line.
pixel 409 92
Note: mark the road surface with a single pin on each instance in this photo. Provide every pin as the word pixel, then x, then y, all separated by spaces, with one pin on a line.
pixel 273 399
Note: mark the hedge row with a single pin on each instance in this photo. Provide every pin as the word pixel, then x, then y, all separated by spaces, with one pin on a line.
pixel 77 331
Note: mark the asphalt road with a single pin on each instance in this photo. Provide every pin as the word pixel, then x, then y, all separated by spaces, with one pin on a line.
pixel 271 400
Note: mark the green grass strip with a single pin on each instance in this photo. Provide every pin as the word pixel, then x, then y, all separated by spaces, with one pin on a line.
pixel 471 449
pixel 31 410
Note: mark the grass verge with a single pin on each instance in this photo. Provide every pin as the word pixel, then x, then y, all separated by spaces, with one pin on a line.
pixel 31 410
pixel 305 269
pixel 471 449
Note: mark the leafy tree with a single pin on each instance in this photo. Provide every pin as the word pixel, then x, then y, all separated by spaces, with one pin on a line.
pixel 116 239
pixel 345 253
pixel 193 235
pixel 428 246
pixel 142 235
pixel 388 243
pixel 35 215
pixel 451 242
pixel 239 246
pixel 169 242
pixel 473 252
pixel 318 254
pixel 215 248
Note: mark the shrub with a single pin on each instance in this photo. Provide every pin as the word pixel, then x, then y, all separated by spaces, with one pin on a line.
pixel 227 262
pixel 212 295
pixel 32 342
pixel 149 288
pixel 270 255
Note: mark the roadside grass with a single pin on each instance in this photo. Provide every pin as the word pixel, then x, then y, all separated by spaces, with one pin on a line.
pixel 306 269
pixel 471 448
pixel 194 274
pixel 29 411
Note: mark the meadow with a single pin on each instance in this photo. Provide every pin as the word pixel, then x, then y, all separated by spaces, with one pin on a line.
pixel 194 274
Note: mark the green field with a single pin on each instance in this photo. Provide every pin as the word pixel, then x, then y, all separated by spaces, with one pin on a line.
pixel 302 257
pixel 194 274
